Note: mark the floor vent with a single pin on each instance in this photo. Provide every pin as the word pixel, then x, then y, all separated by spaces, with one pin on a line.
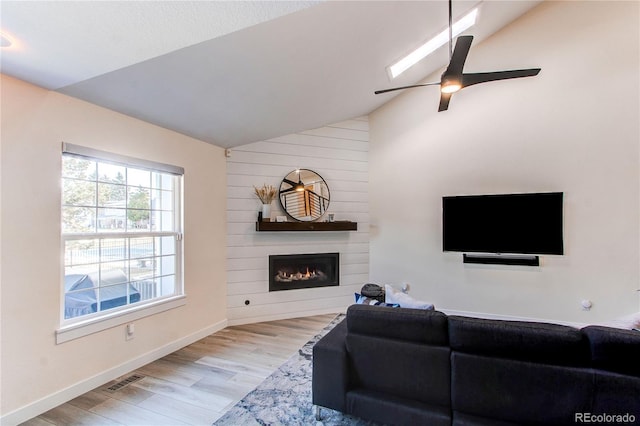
pixel 124 382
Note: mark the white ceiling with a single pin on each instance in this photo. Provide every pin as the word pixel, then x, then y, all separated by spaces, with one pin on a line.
pixel 231 73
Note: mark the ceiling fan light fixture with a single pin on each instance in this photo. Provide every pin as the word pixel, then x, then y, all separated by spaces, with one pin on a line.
pixel 450 85
pixel 462 24
pixel 299 186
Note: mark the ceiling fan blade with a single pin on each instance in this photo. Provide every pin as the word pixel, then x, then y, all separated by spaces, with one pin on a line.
pixel 377 92
pixel 483 77
pixel 444 101
pixel 459 56
pixel 287 190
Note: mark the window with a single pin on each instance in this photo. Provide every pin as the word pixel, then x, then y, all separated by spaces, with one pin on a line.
pixel 121 232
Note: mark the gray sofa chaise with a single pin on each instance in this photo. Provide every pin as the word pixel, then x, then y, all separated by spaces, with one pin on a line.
pixel 415 367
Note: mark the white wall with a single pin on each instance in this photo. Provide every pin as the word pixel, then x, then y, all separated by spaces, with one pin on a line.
pixel 37 374
pixel 339 153
pixel 574 128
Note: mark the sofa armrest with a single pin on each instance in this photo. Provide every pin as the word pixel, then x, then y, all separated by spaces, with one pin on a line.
pixel 330 378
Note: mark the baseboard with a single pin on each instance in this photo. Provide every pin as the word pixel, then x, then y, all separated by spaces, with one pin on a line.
pixel 509 317
pixel 288 315
pixel 60 397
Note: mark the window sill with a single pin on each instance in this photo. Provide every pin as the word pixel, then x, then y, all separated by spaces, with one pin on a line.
pixel 74 331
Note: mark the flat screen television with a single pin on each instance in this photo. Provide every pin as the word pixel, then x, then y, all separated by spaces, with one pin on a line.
pixel 529 223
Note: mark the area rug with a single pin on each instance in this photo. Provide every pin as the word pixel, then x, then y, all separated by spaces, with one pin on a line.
pixel 284 398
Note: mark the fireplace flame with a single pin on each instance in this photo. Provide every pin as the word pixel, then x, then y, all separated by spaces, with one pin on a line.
pixel 308 274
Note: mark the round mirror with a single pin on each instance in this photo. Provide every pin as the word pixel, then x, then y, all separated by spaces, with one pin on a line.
pixel 304 195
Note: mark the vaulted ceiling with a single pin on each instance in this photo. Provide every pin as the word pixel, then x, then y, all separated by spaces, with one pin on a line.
pixel 231 73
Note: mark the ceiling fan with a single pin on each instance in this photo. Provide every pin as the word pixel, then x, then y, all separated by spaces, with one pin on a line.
pixel 453 79
pixel 295 186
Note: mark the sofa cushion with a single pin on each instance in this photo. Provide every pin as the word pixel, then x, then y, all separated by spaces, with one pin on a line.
pixel 527 341
pixel 519 391
pixel 391 410
pixel 405 369
pixel 413 325
pixel 462 419
pixel 614 349
pixel 616 394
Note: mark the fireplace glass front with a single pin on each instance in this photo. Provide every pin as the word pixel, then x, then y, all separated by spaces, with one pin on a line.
pixel 294 271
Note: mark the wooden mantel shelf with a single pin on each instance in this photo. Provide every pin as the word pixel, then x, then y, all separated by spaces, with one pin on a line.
pixel 341 225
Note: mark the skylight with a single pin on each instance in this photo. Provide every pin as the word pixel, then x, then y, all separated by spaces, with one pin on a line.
pixel 430 46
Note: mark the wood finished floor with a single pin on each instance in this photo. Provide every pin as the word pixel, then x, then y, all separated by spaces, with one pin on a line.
pixel 194 385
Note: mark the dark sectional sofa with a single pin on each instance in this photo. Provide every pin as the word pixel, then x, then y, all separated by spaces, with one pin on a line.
pixel 415 367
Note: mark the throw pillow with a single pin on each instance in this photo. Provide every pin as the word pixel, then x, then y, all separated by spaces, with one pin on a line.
pixel 363 300
pixel 392 295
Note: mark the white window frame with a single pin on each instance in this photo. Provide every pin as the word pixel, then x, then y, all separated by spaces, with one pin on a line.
pixel 76 327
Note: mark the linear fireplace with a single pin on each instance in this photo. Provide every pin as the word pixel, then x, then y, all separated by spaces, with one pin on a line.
pixel 293 271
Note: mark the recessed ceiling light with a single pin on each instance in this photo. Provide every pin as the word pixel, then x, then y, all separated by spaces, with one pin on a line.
pixel 430 46
pixel 5 41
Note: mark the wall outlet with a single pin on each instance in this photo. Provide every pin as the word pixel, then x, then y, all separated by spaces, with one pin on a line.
pixel 129 331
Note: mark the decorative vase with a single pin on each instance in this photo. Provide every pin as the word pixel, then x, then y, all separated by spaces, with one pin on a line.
pixel 266 212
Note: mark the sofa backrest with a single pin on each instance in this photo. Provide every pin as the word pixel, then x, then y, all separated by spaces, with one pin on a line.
pixel 614 349
pixel 615 356
pixel 521 372
pixel 400 352
pixel 412 325
pixel 526 341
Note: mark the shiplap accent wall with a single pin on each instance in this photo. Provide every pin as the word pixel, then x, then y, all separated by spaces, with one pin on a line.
pixel 339 153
